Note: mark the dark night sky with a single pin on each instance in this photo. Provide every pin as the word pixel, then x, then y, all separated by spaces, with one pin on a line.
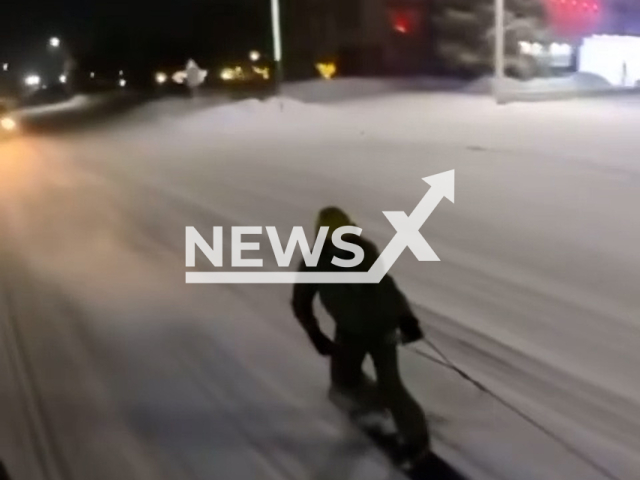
pixel 117 34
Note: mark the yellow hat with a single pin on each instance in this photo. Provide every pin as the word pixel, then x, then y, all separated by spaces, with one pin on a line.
pixel 334 218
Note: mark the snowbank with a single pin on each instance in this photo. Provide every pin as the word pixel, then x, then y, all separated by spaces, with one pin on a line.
pixel 342 89
pixel 345 89
pixel 577 82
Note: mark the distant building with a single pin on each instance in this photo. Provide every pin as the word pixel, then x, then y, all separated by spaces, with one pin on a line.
pixel 620 17
pixel 580 18
pixel 365 37
pixel 571 20
pixel 371 37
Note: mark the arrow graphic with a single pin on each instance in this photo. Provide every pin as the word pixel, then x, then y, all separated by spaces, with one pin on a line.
pixel 408 227
pixel 407 235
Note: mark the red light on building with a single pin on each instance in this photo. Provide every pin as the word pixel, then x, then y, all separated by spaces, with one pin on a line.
pixel 571 17
pixel 404 20
pixel 400 27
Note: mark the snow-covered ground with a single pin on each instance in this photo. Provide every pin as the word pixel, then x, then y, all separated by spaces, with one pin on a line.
pixel 113 368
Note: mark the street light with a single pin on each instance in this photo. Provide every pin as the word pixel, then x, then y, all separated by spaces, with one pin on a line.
pixel 54 42
pixel 161 78
pixel 32 81
pixel 63 78
pixel 254 55
pixel 8 124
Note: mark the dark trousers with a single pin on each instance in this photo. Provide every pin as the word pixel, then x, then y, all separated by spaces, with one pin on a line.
pixel 389 390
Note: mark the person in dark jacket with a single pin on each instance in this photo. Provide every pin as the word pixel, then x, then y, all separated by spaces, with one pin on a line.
pixel 367 320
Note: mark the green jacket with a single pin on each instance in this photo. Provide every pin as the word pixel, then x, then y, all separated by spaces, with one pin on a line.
pixel 359 309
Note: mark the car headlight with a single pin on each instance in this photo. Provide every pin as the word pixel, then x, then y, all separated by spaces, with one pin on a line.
pixel 8 124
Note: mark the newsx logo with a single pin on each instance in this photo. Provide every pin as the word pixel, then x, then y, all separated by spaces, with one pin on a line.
pixel 407 235
pixel 283 256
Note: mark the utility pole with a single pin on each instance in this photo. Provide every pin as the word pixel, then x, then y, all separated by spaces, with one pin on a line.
pixel 277 43
pixel 498 77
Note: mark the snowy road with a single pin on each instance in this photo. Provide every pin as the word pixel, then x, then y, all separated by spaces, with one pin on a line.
pixel 113 368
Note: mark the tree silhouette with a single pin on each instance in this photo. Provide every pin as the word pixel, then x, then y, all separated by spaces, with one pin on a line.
pixel 464 32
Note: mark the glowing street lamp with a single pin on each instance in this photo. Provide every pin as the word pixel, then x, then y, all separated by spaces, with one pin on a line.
pixel 8 124
pixel 54 42
pixel 254 55
pixel 32 81
pixel 63 78
pixel 161 78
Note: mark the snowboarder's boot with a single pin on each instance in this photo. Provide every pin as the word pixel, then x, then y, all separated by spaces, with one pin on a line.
pixel 412 455
pixel 343 399
pixel 367 415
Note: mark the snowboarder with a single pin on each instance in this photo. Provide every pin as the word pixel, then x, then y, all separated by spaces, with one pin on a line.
pixel 368 319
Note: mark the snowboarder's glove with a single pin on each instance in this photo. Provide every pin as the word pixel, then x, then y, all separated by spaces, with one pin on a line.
pixel 322 343
pixel 410 330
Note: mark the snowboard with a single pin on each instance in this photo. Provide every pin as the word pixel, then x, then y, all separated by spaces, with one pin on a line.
pixel 432 467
